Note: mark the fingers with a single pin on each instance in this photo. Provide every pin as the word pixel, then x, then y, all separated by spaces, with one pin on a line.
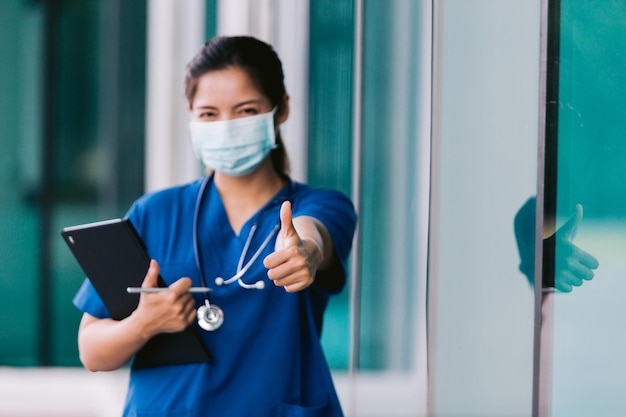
pixel 569 229
pixel 587 259
pixel 287 228
pixel 293 274
pixel 293 284
pixel 567 281
pixel 572 276
pixel 189 311
pixel 175 305
pixel 288 268
pixel 582 264
pixel 151 280
pixel 581 258
pixel 181 286
pixel 574 267
pixel 295 287
pixel 563 286
pixel 284 267
pixel 152 276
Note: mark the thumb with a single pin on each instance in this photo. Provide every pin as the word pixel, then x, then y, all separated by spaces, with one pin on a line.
pixel 151 278
pixel 569 229
pixel 286 221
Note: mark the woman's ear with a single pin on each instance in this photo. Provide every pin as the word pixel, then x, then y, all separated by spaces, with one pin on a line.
pixel 283 112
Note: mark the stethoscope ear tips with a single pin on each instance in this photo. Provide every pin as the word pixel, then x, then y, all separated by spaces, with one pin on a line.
pixel 259 285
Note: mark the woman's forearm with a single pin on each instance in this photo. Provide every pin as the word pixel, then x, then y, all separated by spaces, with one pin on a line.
pixel 106 344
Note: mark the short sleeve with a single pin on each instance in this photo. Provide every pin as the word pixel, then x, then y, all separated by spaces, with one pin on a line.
pixel 336 212
pixel 88 301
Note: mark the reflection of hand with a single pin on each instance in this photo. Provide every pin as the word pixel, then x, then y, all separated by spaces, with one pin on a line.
pixel 573 265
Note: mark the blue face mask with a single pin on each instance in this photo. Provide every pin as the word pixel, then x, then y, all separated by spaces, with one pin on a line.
pixel 234 147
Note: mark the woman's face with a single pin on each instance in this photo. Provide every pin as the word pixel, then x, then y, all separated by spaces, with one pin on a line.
pixel 227 94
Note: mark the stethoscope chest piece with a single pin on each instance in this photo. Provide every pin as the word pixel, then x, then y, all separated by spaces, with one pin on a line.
pixel 210 317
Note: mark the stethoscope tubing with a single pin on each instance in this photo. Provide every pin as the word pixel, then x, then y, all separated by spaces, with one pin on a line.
pixel 210 316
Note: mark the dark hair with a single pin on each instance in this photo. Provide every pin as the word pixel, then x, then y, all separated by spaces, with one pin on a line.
pixel 259 61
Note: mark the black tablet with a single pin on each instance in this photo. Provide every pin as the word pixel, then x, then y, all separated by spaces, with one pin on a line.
pixel 113 257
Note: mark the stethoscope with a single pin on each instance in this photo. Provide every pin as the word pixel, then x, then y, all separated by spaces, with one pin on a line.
pixel 211 316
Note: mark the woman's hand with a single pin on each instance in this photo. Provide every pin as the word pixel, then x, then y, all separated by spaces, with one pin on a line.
pixel 106 344
pixel 168 311
pixel 299 252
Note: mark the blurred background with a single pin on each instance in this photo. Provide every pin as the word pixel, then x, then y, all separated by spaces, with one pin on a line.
pixel 429 114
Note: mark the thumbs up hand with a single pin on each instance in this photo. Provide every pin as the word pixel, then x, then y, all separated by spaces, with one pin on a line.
pixel 296 259
pixel 573 265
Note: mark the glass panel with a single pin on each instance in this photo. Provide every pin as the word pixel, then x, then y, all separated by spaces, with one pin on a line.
pixel 330 136
pixel 386 382
pixel 588 371
pixel 210 26
pixel 74 155
pixel 74 162
pixel 20 34
pixel 486 96
pixel 97 136
pixel 389 171
pixel 389 166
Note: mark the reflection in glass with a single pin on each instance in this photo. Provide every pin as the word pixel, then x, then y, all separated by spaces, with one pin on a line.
pixel 588 342
pixel 573 265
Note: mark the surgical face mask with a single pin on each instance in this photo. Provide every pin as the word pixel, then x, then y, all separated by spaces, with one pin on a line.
pixel 234 147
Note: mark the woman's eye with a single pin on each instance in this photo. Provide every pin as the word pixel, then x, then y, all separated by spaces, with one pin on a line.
pixel 249 111
pixel 206 115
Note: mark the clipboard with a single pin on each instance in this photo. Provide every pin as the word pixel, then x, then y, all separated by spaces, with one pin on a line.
pixel 113 257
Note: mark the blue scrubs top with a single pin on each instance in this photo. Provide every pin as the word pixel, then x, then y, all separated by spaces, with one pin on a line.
pixel 267 356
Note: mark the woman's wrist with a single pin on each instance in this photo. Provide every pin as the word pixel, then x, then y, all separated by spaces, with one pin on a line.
pixel 315 251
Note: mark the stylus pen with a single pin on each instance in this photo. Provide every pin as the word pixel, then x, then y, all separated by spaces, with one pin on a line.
pixel 137 290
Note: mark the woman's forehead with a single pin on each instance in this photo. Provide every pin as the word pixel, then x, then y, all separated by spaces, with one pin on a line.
pixel 227 86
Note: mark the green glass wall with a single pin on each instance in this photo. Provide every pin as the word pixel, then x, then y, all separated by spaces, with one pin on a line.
pixel 387 212
pixel 329 154
pixel 587 344
pixel 20 44
pixel 75 91
pixel 390 162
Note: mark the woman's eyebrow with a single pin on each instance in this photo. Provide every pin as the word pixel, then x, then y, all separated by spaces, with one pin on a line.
pixel 206 107
pixel 248 102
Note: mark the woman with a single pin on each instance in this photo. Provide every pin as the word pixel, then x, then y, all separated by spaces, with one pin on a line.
pixel 272 251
